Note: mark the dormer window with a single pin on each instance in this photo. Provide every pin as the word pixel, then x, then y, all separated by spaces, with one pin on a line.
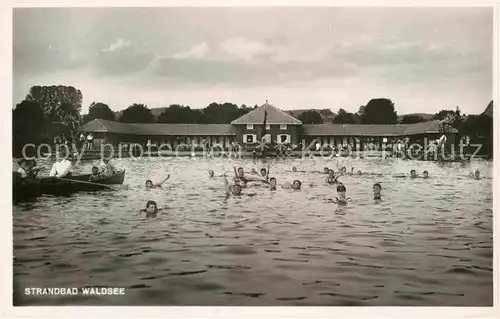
pixel 249 126
pixel 283 127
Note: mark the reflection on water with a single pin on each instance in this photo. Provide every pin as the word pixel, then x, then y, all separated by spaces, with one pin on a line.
pixel 428 242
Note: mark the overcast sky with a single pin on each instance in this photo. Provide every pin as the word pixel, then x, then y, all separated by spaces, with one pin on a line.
pixel 424 59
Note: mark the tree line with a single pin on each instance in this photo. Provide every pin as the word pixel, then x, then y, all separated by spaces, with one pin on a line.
pixel 48 111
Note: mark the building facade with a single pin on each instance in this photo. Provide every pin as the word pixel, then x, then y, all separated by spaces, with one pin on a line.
pixel 267 124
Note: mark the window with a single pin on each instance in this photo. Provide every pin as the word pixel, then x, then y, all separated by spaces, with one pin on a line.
pixel 268 126
pixel 249 126
pixel 282 127
pixel 283 139
pixel 249 138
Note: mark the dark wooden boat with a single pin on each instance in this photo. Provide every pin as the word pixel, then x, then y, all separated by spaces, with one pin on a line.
pixel 116 179
pixel 79 183
pixel 25 189
pixel 65 187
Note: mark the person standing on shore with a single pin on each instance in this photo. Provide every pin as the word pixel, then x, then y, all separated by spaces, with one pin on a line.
pixel 89 141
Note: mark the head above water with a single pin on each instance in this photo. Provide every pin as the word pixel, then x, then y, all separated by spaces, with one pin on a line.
pixel 263 171
pixel 341 188
pixel 477 174
pixel 149 183
pixel 95 170
pixel 331 172
pixel 360 172
pixel 343 170
pixel 272 181
pixel 426 174
pixel 326 170
pixel 413 173
pixel 241 171
pixel 377 188
pixel 296 184
pixel 294 169
pixel 253 171
pixel 211 173
pixel 151 207
pixel 236 189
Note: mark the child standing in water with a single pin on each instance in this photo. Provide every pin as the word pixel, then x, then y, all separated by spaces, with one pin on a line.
pixel 376 191
pixel 341 198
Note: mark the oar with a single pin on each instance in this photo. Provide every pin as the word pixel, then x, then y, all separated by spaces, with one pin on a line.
pixel 88 183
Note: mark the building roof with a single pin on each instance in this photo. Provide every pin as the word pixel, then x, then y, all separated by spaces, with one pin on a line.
pixel 100 125
pixel 428 127
pixel 274 116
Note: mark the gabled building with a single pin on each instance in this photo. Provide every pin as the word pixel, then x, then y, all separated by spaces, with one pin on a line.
pixel 280 126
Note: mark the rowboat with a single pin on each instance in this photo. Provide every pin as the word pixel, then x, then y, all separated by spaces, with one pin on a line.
pixel 115 179
pixel 25 189
pixel 33 187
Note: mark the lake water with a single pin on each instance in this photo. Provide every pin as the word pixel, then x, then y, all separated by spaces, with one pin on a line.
pixel 428 242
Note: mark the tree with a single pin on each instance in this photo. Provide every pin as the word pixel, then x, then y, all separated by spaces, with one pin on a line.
pixel 344 117
pixel 59 103
pixel 412 119
pixel 379 111
pixel 310 117
pixel 216 113
pixel 137 113
pixel 28 124
pixel 100 111
pixel 179 114
pixel 449 118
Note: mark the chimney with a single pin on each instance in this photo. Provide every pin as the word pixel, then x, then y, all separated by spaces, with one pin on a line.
pixel 266 102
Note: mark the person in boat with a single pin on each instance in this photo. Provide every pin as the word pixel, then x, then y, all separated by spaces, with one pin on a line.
pixel 63 167
pixel 149 183
pixel 33 168
pixel 341 198
pixel 232 189
pixel 295 185
pixel 95 175
pixel 425 175
pixel 23 169
pixel 376 191
pixel 107 169
pixel 151 209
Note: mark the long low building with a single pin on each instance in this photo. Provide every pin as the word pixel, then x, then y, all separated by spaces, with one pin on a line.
pixel 281 128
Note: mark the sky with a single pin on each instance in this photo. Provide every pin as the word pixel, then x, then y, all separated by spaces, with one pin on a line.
pixel 423 59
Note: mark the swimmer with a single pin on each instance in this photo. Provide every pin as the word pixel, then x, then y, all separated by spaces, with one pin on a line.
pixel 150 184
pixel 253 171
pixel 295 185
pixel 376 191
pixel 151 209
pixel 294 169
pixel 425 174
pixel 413 174
pixel 471 175
pixel 265 172
pixel 211 173
pixel 360 172
pixel 332 179
pixel 234 189
pixel 272 184
pixel 341 198
pixel 477 174
pixel 326 170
